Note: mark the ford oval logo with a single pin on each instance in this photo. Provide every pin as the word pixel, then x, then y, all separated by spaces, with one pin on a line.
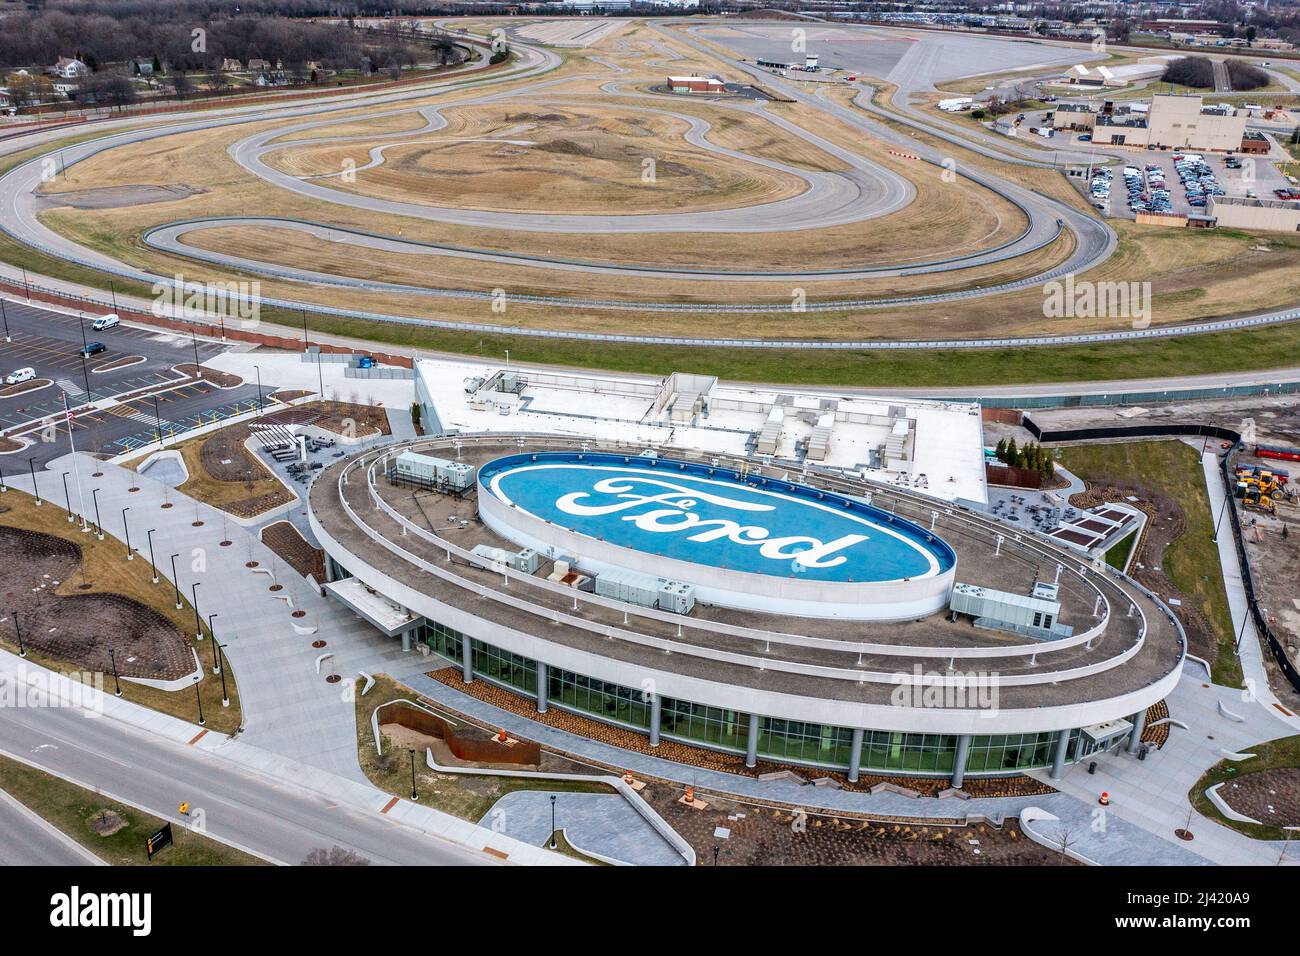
pixel 718 519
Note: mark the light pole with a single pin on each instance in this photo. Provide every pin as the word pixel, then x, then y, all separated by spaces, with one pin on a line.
pixel 36 491
pixel 216 662
pixel 225 697
pixel 126 530
pixel 554 845
pixel 414 795
pixel 117 686
pixel 199 698
pixel 67 498
pixel 176 581
pixel 157 421
pixel 198 369
pixel 99 528
pixel 198 625
pixel 258 370
pixel 22 651
pixel 5 316
pixel 152 565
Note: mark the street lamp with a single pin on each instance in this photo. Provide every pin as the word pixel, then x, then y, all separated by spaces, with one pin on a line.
pixel 198 625
pixel 67 499
pixel 199 698
pixel 22 651
pixel 216 663
pixel 126 530
pixel 99 528
pixel 176 581
pixel 36 491
pixel 117 686
pixel 554 845
pixel 157 421
pixel 414 795
pixel 152 565
pixel 225 697
pixel 260 406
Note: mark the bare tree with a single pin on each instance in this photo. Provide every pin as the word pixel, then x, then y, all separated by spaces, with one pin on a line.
pixel 335 856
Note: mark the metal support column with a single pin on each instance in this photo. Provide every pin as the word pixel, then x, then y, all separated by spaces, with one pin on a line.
pixel 959 761
pixel 1135 738
pixel 1058 759
pixel 751 746
pixel 542 684
pixel 855 755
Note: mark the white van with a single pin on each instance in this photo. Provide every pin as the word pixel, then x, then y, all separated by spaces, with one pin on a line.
pixel 18 376
pixel 109 321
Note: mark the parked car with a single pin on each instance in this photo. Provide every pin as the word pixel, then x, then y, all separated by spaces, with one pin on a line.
pixel 20 375
pixel 110 321
pixel 94 348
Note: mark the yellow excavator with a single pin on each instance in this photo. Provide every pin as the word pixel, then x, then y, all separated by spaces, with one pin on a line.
pixel 1265 484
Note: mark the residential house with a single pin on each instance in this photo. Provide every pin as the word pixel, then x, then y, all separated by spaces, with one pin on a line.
pixel 69 69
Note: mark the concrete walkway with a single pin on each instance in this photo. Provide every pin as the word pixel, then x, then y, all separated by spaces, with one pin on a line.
pixel 600 823
pixel 288 707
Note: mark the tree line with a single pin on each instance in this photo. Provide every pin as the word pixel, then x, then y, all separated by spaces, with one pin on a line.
pixel 176 35
pixel 1032 456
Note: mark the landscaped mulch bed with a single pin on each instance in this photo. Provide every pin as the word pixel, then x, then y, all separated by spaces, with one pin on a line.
pixel 774 836
pixel 349 418
pixel 220 379
pixel 287 541
pixel 22 388
pixel 80 628
pixel 1270 796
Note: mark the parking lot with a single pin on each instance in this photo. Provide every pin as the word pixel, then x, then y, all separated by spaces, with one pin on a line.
pixel 50 343
pixel 134 360
pixel 1179 182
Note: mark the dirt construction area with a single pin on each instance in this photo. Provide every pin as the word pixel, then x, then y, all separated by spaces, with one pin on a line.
pixel 41 585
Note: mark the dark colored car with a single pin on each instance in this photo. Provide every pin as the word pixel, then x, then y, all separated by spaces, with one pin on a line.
pixel 94 348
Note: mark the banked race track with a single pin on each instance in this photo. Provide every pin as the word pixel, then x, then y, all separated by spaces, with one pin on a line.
pixel 850 190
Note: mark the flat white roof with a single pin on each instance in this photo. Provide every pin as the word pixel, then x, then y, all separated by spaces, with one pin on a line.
pixel 947 449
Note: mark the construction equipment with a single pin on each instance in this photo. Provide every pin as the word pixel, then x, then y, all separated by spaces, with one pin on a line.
pixel 1265 484
pixel 1264 473
pixel 1254 501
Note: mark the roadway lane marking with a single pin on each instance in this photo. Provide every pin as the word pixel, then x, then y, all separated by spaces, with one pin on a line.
pixel 389 805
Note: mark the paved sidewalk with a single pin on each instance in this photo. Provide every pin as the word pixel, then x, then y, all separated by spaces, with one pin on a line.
pixel 289 708
pixel 602 823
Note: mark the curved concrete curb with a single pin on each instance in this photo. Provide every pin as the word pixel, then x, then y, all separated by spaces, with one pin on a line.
pixel 1222 806
pixel 1224 712
pixel 1031 815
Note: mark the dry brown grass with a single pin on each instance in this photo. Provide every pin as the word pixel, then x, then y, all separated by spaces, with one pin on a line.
pixel 106 571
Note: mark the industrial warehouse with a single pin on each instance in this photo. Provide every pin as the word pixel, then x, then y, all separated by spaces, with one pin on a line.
pixel 776 607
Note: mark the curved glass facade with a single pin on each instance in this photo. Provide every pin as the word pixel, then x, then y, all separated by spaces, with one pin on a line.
pixel 779 740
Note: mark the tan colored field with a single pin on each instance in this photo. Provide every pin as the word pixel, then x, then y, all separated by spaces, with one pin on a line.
pixel 545 158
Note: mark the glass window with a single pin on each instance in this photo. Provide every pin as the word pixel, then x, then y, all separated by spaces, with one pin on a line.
pixel 699 723
pixel 601 699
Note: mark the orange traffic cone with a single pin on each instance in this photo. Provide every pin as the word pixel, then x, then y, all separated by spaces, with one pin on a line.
pixel 501 736
pixel 690 794
pixel 1105 799
pixel 628 778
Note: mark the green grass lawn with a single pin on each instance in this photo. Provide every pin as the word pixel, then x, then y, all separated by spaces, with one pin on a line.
pixel 1192 561
pixel 73 809
pixel 1117 553
pixel 1284 752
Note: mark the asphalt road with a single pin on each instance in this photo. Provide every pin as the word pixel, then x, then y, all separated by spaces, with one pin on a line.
pixel 275 819
pixel 30 841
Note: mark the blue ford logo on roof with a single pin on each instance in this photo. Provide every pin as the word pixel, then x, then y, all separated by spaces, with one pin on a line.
pixel 713 517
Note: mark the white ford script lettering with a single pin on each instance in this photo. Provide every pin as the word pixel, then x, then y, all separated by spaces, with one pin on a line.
pixel 677 515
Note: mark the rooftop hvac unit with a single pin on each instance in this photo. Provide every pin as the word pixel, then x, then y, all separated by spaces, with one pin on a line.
pixel 429 471
pixel 629 586
pixel 526 560
pixel 495 555
pixel 677 597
